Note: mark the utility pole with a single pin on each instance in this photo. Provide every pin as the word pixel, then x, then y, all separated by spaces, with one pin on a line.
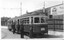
pixel 21 8
pixel 44 11
pixel 62 2
pixel 27 11
pixel 44 7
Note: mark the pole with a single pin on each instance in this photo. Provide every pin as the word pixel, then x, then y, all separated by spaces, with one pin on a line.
pixel 44 7
pixel 27 11
pixel 21 8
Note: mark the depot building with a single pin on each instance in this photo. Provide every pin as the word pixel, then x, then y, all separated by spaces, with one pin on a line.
pixel 57 11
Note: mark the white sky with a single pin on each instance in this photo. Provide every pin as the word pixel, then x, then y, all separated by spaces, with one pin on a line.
pixel 30 5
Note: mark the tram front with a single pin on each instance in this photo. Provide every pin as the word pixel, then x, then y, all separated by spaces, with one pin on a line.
pixel 39 25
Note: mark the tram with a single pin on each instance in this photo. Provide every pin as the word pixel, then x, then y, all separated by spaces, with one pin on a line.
pixel 9 23
pixel 34 24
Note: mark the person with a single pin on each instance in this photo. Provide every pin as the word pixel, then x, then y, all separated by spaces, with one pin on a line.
pixel 31 32
pixel 18 27
pixel 22 30
pixel 13 27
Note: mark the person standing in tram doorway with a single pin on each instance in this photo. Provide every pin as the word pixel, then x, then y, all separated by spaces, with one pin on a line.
pixel 13 27
pixel 18 27
pixel 22 30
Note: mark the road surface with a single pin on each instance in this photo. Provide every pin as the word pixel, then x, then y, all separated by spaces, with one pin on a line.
pixel 6 34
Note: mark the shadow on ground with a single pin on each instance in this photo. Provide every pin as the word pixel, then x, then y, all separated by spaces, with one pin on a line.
pixel 48 36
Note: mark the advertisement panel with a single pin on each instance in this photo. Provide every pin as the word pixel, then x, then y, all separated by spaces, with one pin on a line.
pixel 57 10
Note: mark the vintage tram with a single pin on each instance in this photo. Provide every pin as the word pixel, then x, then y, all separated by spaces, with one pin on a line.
pixel 33 23
pixel 9 23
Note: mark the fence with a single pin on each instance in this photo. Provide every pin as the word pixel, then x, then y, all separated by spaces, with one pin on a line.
pixel 55 24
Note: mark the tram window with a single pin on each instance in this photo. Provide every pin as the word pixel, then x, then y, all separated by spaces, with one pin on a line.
pixel 20 21
pixel 36 20
pixel 42 20
pixel 26 20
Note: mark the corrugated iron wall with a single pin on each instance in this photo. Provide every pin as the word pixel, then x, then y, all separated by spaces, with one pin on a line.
pixel 56 23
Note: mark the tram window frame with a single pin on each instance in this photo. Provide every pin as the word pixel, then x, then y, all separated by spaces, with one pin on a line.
pixel 36 19
pixel 43 19
pixel 20 21
pixel 26 20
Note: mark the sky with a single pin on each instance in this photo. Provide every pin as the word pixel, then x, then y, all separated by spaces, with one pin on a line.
pixel 12 8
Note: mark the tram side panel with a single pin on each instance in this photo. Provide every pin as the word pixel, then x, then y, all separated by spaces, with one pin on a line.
pixel 40 28
pixel 37 29
pixel 27 28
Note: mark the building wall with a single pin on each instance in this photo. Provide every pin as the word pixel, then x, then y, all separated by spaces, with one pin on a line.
pixel 57 10
pixel 48 11
pixel 4 21
pixel 57 20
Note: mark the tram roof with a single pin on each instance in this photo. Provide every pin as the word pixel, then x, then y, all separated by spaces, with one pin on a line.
pixel 31 14
pixel 34 13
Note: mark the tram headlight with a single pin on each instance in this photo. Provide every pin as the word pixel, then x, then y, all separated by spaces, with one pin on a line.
pixel 42 29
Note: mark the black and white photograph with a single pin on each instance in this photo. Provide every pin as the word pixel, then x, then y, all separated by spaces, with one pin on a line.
pixel 32 19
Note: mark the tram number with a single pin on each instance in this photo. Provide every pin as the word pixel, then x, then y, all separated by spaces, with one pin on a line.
pixel 42 29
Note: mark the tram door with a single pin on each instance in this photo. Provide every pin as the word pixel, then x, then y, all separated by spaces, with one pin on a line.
pixel 31 20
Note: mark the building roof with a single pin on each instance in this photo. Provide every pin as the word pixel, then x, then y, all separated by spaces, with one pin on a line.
pixel 55 5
